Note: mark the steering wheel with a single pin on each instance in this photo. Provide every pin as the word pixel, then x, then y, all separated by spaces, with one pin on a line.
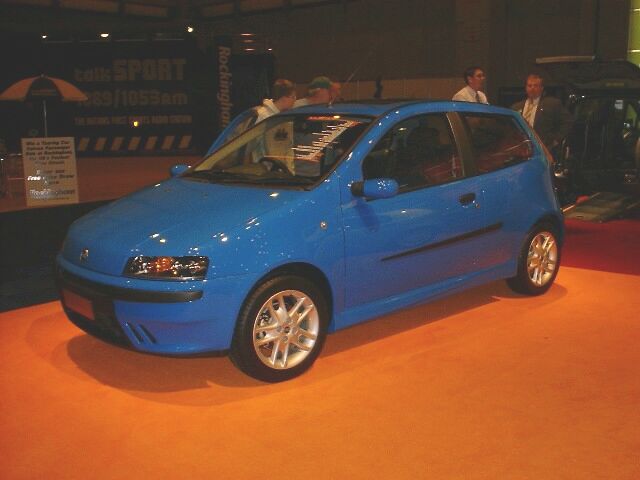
pixel 274 164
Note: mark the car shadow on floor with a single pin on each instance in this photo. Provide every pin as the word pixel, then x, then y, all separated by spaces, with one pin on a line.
pixel 417 316
pixel 215 380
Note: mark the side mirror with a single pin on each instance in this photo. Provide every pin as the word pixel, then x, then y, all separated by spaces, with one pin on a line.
pixel 178 169
pixel 375 188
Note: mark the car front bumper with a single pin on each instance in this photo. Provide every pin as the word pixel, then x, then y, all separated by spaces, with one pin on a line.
pixel 163 317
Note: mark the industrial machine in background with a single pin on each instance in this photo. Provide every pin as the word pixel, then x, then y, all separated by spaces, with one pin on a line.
pixel 602 151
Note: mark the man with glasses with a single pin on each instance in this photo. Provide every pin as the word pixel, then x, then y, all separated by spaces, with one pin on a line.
pixel 474 77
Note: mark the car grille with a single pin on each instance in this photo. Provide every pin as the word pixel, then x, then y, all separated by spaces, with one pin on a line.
pixel 104 326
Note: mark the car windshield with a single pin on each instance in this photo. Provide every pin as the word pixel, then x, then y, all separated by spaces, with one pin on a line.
pixel 288 150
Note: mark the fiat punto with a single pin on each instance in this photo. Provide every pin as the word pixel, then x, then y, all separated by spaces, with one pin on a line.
pixel 313 221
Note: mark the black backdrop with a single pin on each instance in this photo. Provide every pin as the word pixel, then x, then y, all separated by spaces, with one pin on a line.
pixel 145 97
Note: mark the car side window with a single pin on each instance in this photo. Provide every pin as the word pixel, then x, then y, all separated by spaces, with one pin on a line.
pixel 417 152
pixel 497 141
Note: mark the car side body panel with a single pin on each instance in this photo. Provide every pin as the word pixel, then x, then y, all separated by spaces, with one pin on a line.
pixel 374 256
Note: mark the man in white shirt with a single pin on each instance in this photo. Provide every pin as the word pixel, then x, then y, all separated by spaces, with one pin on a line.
pixel 276 142
pixel 474 78
pixel 284 96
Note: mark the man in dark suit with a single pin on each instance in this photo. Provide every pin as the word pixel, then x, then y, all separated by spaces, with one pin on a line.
pixel 548 117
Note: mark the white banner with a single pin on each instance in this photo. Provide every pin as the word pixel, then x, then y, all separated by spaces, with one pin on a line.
pixel 50 174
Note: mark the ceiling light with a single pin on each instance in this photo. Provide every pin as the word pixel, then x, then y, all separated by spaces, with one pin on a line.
pixel 190 29
pixel 44 36
pixel 104 35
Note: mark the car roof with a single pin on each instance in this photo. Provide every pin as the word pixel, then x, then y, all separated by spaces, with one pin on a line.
pixel 380 107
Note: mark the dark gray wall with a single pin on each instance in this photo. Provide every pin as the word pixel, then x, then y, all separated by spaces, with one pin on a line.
pixel 394 39
pixel 537 28
pixel 399 39
pixel 435 38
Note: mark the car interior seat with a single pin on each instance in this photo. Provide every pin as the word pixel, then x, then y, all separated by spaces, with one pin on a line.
pixel 381 161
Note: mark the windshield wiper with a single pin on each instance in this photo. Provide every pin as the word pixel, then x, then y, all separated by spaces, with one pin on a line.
pixel 286 180
pixel 218 175
pixel 233 177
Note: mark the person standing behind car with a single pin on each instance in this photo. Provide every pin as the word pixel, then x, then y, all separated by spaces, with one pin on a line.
pixel 276 143
pixel 474 77
pixel 318 91
pixel 284 96
pixel 545 114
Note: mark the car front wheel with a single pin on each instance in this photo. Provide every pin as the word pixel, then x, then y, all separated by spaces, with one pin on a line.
pixel 281 329
pixel 538 262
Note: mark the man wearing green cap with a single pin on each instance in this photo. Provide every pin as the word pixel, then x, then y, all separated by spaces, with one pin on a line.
pixel 318 91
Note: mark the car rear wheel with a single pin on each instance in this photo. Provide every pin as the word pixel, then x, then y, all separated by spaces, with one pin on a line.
pixel 538 262
pixel 281 329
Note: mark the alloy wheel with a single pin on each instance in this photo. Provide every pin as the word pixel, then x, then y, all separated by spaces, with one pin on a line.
pixel 542 259
pixel 286 329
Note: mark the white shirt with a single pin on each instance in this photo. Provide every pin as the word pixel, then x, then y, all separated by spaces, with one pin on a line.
pixel 301 102
pixel 267 109
pixel 468 94
pixel 529 110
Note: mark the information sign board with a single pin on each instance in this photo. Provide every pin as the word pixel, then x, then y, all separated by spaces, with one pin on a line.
pixel 50 174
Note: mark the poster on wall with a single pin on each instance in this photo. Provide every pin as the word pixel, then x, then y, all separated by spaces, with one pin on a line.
pixel 144 98
pixel 50 174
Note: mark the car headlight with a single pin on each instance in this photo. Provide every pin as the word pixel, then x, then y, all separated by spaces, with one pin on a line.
pixel 167 268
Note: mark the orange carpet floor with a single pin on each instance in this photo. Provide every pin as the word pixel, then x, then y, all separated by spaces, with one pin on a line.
pixel 482 385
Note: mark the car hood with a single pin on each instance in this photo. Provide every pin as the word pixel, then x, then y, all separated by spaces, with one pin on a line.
pixel 176 217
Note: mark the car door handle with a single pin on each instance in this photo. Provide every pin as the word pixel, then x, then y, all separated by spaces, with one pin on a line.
pixel 467 198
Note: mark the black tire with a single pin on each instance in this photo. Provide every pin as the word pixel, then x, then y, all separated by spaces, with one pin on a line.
pixel 538 262
pixel 274 345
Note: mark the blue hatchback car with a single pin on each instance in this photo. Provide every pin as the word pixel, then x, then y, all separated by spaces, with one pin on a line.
pixel 312 221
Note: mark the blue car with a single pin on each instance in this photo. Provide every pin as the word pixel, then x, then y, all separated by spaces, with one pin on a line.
pixel 311 221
